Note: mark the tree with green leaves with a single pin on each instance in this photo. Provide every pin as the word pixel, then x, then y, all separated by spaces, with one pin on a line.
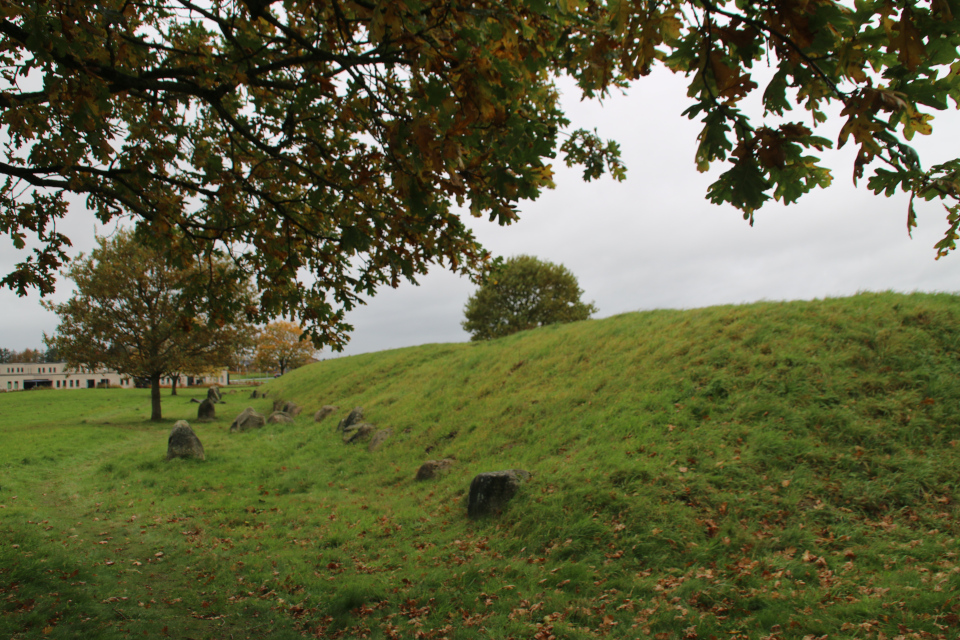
pixel 337 137
pixel 137 314
pixel 524 293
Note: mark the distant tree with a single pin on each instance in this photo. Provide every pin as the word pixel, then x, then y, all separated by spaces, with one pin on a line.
pixel 245 356
pixel 136 313
pixel 27 355
pixel 524 293
pixel 281 346
pixel 51 355
pixel 244 338
pixel 6 355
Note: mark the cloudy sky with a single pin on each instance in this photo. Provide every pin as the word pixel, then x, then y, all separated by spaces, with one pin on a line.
pixel 650 242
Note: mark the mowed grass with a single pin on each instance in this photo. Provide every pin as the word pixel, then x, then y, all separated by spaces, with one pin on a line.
pixel 766 471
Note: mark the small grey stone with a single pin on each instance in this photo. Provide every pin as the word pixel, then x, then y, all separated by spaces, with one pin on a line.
pixel 279 417
pixel 358 432
pixel 490 492
pixel 379 438
pixel 431 468
pixel 206 411
pixel 323 412
pixel 292 409
pixel 213 395
pixel 353 418
pixel 248 419
pixel 184 443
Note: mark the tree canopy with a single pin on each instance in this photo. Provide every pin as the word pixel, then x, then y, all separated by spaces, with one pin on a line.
pixel 281 346
pixel 28 355
pixel 524 293
pixel 339 137
pixel 134 313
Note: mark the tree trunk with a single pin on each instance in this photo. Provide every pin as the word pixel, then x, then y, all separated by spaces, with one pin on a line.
pixel 155 398
pixel 173 385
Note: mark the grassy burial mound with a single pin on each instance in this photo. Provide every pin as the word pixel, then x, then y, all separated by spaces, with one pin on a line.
pixel 775 470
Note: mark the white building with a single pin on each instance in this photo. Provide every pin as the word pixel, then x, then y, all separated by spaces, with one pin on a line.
pixel 17 376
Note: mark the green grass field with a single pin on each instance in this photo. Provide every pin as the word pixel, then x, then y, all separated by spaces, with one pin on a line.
pixel 769 471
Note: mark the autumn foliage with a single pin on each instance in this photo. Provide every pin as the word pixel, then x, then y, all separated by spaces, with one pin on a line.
pixel 338 137
pixel 280 346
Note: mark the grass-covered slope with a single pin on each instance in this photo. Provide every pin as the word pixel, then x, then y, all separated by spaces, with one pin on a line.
pixel 775 470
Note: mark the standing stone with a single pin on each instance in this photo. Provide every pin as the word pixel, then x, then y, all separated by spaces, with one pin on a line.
pixel 278 404
pixel 279 417
pixel 490 492
pixel 357 432
pixel 248 419
pixel 432 468
pixel 324 411
pixel 206 411
pixel 354 418
pixel 184 443
pixel 254 395
pixel 213 395
pixel 379 438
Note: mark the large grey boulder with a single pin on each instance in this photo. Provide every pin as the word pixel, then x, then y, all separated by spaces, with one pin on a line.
pixel 357 432
pixel 433 468
pixel 278 404
pixel 206 411
pixel 213 395
pixel 280 417
pixel 323 412
pixel 379 438
pixel 184 443
pixel 248 419
pixel 490 492
pixel 355 417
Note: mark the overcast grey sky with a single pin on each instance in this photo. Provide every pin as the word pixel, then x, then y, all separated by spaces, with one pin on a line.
pixel 650 242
